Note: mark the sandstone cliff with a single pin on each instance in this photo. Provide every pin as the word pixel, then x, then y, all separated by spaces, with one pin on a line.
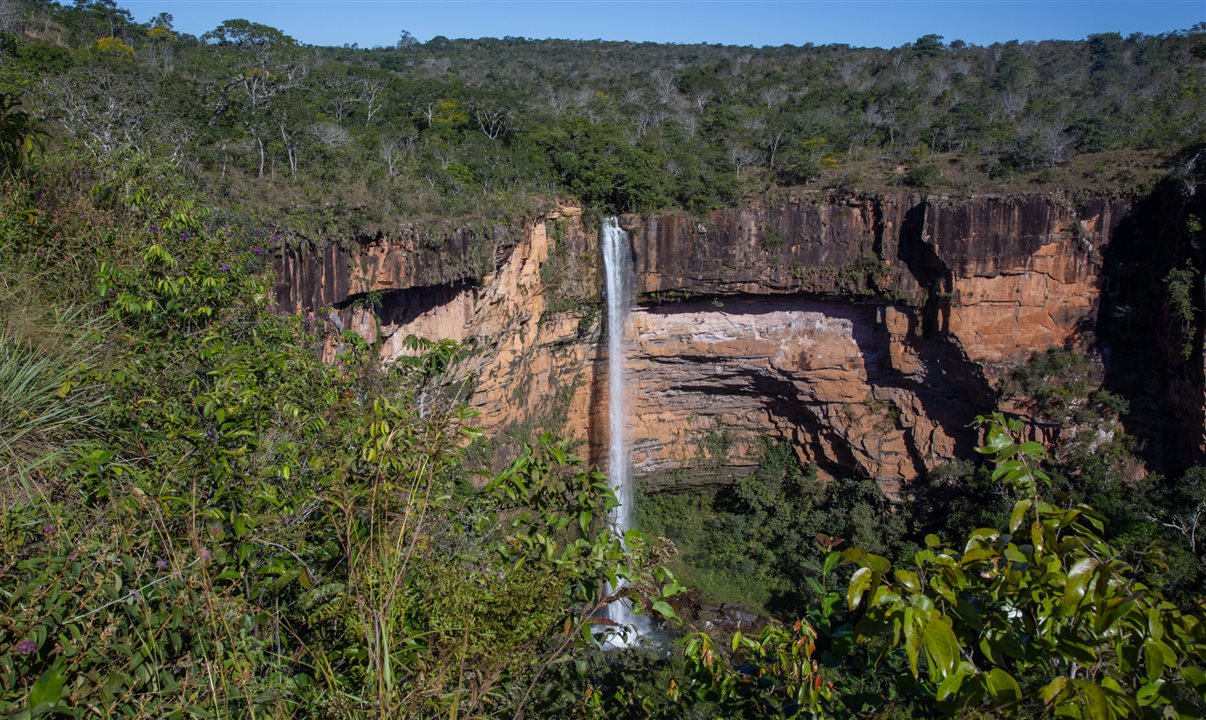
pixel 868 331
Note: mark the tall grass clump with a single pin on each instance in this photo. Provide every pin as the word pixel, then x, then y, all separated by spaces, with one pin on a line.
pixel 46 402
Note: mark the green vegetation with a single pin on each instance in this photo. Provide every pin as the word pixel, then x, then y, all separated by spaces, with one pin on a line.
pixel 1040 618
pixel 200 519
pixel 204 520
pixel 754 544
pixel 1180 283
pixel 1063 386
pixel 494 129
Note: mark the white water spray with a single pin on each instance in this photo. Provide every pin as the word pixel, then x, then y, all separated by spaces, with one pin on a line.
pixel 617 267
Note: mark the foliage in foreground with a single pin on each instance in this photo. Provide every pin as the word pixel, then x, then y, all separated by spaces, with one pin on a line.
pixel 213 523
pixel 1043 617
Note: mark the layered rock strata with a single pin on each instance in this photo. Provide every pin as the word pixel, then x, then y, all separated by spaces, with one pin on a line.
pixel 868 332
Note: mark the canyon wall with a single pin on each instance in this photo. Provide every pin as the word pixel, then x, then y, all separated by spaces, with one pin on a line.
pixel 868 331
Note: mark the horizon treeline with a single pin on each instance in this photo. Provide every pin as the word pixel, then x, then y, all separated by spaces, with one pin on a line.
pixel 327 142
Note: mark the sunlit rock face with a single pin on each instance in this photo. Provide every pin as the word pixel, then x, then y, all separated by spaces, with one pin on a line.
pixel 1003 275
pixel 867 331
pixel 711 383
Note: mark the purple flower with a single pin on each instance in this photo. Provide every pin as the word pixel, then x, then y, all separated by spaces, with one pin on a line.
pixel 225 267
pixel 257 250
pixel 154 227
pixel 257 233
pixel 73 555
pixel 204 555
pixel 26 647
pixel 48 529
pixel 215 529
pixel 161 564
pixel 184 236
pixel 137 594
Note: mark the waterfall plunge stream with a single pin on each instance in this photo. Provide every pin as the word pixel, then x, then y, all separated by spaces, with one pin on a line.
pixel 617 267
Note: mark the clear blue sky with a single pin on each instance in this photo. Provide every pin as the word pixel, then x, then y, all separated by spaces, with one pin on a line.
pixel 884 23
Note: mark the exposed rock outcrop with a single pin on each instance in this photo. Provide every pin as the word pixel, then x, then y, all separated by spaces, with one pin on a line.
pixel 869 331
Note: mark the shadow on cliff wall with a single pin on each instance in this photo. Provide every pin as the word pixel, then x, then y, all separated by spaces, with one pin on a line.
pixel 953 390
pixel 1140 339
pixel 596 433
pixel 401 307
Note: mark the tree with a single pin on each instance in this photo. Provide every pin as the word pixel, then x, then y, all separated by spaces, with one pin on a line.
pixel 928 45
pixel 105 110
pixel 268 63
pixel 406 41
pixel 161 36
pixel 369 92
pixel 493 115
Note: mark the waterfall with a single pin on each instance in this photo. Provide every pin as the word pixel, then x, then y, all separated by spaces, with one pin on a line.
pixel 617 267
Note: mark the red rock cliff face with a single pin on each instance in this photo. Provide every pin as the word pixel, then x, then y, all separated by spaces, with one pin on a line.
pixel 1003 275
pixel 868 332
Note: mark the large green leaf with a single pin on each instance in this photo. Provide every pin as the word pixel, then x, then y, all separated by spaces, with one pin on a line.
pixel 47 691
pixel 1092 701
pixel 1002 686
pixel 912 640
pixel 1157 656
pixel 941 647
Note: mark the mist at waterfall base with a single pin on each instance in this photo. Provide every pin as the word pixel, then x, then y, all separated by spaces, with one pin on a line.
pixel 617 269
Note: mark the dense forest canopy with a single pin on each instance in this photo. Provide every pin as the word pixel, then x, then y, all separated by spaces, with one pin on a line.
pixel 339 140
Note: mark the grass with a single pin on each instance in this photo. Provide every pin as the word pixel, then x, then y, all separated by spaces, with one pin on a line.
pixel 44 404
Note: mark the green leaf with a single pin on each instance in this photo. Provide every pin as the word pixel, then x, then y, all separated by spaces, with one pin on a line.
pixel 941 647
pixel 661 607
pixel 1093 700
pixel 1149 693
pixel 1078 581
pixel 950 685
pixel 1018 516
pixel 859 583
pixel 1195 676
pixel 909 579
pixel 1052 689
pixel 1156 657
pixel 912 640
pixel 878 563
pixel 1155 626
pixel 1006 468
pixel 48 690
pixel 1002 686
